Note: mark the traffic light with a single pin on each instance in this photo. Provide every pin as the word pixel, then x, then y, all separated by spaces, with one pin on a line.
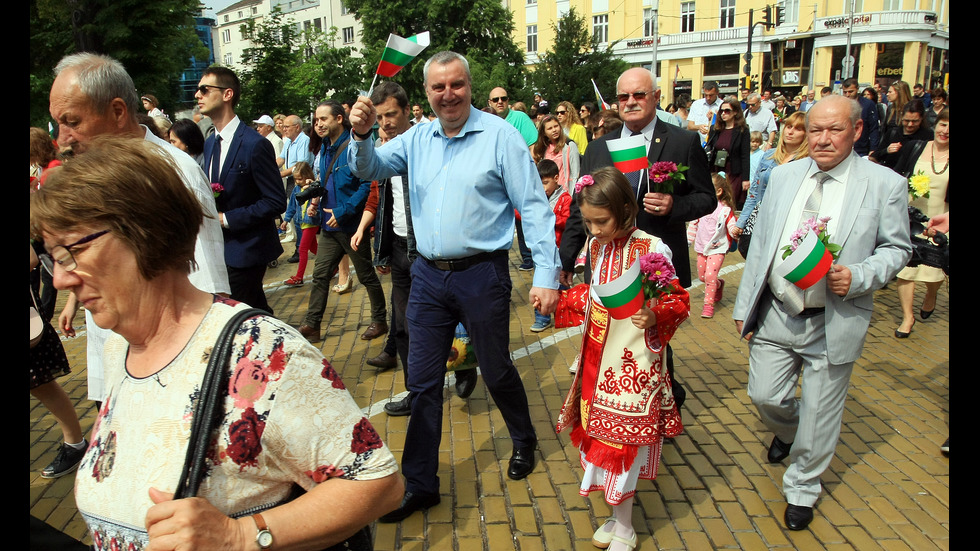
pixel 767 17
pixel 780 15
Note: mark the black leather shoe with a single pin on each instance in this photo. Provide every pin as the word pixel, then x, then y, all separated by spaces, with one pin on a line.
pixel 778 450
pixel 797 517
pixel 465 383
pixel 293 259
pixel 924 314
pixel 399 408
pixel 383 361
pixel 521 463
pixel 410 504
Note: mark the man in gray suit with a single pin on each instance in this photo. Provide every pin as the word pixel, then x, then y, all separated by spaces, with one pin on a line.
pixel 821 330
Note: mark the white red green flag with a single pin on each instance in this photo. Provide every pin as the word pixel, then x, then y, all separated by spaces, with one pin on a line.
pixel 598 96
pixel 399 52
pixel 622 296
pixel 629 154
pixel 807 264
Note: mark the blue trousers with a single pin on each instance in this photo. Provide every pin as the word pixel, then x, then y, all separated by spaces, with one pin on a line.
pixel 479 297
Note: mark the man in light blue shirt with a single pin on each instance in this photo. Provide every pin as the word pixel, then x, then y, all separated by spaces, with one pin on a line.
pixel 466 176
pixel 296 148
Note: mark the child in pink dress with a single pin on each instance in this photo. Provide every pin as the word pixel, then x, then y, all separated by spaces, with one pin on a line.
pixel 711 236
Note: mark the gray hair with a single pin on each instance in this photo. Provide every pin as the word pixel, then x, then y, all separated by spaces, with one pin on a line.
pixel 102 79
pixel 445 57
pixel 854 106
pixel 653 80
pixel 754 95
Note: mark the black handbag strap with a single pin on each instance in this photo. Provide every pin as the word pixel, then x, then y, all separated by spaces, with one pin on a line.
pixel 209 409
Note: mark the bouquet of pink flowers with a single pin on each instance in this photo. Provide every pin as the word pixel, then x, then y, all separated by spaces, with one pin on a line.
pixel 657 275
pixel 663 174
pixel 216 189
pixel 819 227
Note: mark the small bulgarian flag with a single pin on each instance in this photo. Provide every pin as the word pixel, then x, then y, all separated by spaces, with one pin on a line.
pixel 399 52
pixel 598 96
pixel 807 264
pixel 622 296
pixel 629 154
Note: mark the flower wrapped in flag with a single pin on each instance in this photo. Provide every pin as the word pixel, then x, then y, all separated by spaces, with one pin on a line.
pixel 919 185
pixel 809 255
pixel 649 277
pixel 664 174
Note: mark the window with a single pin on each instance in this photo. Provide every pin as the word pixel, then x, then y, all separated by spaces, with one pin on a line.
pixel 532 38
pixel 687 17
pixel 226 35
pixel 240 14
pixel 647 22
pixel 890 5
pixel 255 10
pixel 343 9
pixel 600 28
pixel 532 3
pixel 792 13
pixel 228 59
pixel 226 18
pixel 348 35
pixel 318 25
pixel 727 14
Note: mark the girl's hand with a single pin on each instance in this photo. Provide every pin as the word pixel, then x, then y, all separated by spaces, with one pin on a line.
pixel 644 319
pixel 283 226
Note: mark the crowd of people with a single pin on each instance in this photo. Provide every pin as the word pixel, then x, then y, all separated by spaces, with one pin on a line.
pixel 434 203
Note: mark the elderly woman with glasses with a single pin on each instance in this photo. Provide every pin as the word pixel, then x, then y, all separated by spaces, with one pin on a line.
pixel 119 228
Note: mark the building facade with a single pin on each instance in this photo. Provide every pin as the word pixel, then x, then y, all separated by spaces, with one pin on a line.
pixel 306 15
pixel 701 40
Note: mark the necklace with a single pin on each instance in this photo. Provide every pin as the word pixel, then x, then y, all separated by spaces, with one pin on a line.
pixel 933 160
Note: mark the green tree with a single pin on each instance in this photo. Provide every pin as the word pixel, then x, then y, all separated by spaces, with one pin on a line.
pixel 481 30
pixel 566 70
pixel 267 64
pixel 326 72
pixel 153 40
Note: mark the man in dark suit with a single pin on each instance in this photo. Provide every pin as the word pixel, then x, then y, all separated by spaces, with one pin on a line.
pixel 661 214
pixel 244 163
pixel 868 141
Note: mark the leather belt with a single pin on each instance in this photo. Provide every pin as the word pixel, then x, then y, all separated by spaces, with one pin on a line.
pixel 460 264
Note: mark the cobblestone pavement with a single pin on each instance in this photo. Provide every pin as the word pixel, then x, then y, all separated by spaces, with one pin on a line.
pixel 887 488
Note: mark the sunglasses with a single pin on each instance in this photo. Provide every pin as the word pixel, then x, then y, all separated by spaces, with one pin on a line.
pixel 499 98
pixel 203 89
pixel 561 112
pixel 623 98
pixel 725 111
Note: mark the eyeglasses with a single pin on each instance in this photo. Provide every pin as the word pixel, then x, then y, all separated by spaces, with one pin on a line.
pixel 203 89
pixel 637 96
pixel 499 99
pixel 62 254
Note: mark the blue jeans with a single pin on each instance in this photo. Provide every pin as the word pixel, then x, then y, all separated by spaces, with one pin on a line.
pixel 541 318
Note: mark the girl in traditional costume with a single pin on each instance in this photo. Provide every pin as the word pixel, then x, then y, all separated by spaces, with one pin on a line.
pixel 620 406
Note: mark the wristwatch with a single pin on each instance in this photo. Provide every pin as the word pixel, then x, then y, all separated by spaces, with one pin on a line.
pixel 264 536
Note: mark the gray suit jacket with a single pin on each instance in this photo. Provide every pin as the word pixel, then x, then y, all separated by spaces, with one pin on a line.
pixel 873 232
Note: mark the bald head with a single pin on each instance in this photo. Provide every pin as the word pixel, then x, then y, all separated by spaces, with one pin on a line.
pixel 637 98
pixel 292 127
pixel 833 124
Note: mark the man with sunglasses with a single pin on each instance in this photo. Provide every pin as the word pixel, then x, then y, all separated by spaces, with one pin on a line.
pixel 500 103
pixel 93 95
pixel 661 214
pixel 761 120
pixel 244 163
